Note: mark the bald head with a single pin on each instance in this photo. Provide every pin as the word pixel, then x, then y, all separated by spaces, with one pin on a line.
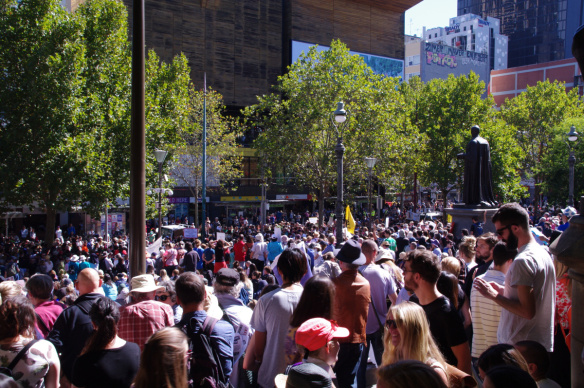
pixel 88 281
pixel 369 249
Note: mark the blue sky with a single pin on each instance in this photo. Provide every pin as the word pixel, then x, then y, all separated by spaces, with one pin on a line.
pixel 429 14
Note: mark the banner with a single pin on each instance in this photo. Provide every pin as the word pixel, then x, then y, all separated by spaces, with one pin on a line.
pixel 155 247
pixel 350 220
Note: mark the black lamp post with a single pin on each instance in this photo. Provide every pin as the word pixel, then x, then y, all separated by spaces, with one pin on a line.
pixel 339 120
pixel 370 164
pixel 572 137
pixel 160 155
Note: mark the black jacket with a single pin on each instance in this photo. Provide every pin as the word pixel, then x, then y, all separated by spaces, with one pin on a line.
pixel 71 330
pixel 190 261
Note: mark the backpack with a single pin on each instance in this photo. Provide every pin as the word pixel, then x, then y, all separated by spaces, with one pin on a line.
pixel 204 368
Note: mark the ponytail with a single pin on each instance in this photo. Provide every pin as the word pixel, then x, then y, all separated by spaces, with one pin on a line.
pixel 105 316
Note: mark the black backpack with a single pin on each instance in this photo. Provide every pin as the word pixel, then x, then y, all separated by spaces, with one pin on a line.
pixel 204 367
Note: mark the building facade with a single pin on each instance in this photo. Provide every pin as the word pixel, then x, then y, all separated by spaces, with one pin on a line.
pixel 539 31
pixel 472 33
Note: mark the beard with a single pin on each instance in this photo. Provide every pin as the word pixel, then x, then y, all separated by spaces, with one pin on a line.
pixel 512 241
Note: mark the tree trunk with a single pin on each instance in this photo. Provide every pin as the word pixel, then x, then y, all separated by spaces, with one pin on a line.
pixel 50 226
pixel 320 208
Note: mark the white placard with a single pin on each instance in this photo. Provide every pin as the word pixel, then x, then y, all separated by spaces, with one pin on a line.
pixel 220 236
pixel 278 232
pixel 191 233
pixel 313 220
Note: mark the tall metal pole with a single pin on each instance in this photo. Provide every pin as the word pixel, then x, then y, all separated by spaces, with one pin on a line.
pixel 159 200
pixel 106 223
pixel 204 172
pixel 339 150
pixel 137 244
pixel 571 162
pixel 369 199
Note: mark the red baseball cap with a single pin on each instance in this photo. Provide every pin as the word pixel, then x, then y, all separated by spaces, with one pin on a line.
pixel 317 332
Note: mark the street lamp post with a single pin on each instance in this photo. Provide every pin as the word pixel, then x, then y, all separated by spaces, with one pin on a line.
pixel 572 137
pixel 370 162
pixel 339 120
pixel 160 155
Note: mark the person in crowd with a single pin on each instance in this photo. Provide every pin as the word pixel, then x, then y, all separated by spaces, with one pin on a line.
pixel 259 252
pixel 221 257
pixel 408 337
pixel 191 258
pixel 486 313
pixel 467 253
pixel 316 301
pixel 164 360
pixel 316 340
pixel 271 317
pixel 10 288
pixel 40 292
pixel 422 270
pixel 408 374
pixel 352 299
pixel 109 288
pixel 484 255
pixel 508 376
pixel 167 295
pixel 538 362
pixel 328 267
pixel 74 326
pixel 37 362
pixel 274 249
pixel 191 294
pixel 528 297
pixel 500 354
pixel 106 360
pixel 145 315
pixel 170 257
pixel 382 287
pixel 258 284
pixel 227 289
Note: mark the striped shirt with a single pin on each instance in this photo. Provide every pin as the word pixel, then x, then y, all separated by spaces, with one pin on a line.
pixel 485 315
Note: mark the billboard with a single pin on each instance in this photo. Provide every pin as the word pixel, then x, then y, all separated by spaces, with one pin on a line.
pixel 389 67
pixel 438 61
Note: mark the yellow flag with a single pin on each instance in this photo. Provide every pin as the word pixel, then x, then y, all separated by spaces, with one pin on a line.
pixel 350 221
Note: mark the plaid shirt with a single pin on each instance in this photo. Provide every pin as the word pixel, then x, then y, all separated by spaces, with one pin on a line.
pixel 140 320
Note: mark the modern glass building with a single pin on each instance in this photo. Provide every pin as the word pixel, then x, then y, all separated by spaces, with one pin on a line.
pixel 538 30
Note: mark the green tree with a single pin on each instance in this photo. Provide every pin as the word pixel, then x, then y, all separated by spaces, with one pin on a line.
pixel 295 123
pixel 223 159
pixel 41 63
pixel 555 168
pixel 445 110
pixel 533 115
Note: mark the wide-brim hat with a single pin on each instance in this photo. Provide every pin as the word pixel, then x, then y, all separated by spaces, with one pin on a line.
pixel 385 254
pixel 351 253
pixel 74 258
pixel 144 283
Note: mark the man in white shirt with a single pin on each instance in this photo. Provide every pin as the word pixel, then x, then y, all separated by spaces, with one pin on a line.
pixel 485 312
pixel 528 297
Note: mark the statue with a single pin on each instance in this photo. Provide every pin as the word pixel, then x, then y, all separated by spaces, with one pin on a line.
pixel 478 182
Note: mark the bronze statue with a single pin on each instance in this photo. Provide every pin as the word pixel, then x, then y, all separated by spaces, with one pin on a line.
pixel 478 182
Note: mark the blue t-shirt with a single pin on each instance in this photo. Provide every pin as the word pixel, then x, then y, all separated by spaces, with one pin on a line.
pixel 200 262
pixel 208 254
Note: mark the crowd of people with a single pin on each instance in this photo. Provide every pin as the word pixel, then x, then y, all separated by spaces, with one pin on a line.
pixel 286 305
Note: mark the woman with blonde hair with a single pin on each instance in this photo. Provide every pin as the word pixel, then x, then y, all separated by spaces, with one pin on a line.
pixel 467 253
pixel 164 360
pixel 408 337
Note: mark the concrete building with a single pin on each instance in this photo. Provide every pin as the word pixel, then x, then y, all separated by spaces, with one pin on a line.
pixel 509 83
pixel 413 57
pixel 472 33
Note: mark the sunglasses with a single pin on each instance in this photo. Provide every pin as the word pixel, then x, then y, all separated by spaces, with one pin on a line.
pixel 500 231
pixel 389 323
pixel 162 297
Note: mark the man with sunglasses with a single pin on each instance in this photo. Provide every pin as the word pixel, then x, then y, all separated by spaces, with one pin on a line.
pixel 528 296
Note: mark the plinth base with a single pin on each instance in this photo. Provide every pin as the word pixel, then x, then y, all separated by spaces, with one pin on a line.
pixel 462 218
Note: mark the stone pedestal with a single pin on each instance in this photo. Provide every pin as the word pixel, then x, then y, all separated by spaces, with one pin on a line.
pixel 462 218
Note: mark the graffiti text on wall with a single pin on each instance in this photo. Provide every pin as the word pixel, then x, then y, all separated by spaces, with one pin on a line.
pixel 448 56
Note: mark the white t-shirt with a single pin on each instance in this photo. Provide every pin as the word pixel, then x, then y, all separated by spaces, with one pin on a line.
pixel 531 267
pixel 258 250
pixel 272 316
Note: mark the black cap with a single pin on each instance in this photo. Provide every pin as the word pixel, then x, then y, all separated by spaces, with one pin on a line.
pixel 227 277
pixel 308 375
